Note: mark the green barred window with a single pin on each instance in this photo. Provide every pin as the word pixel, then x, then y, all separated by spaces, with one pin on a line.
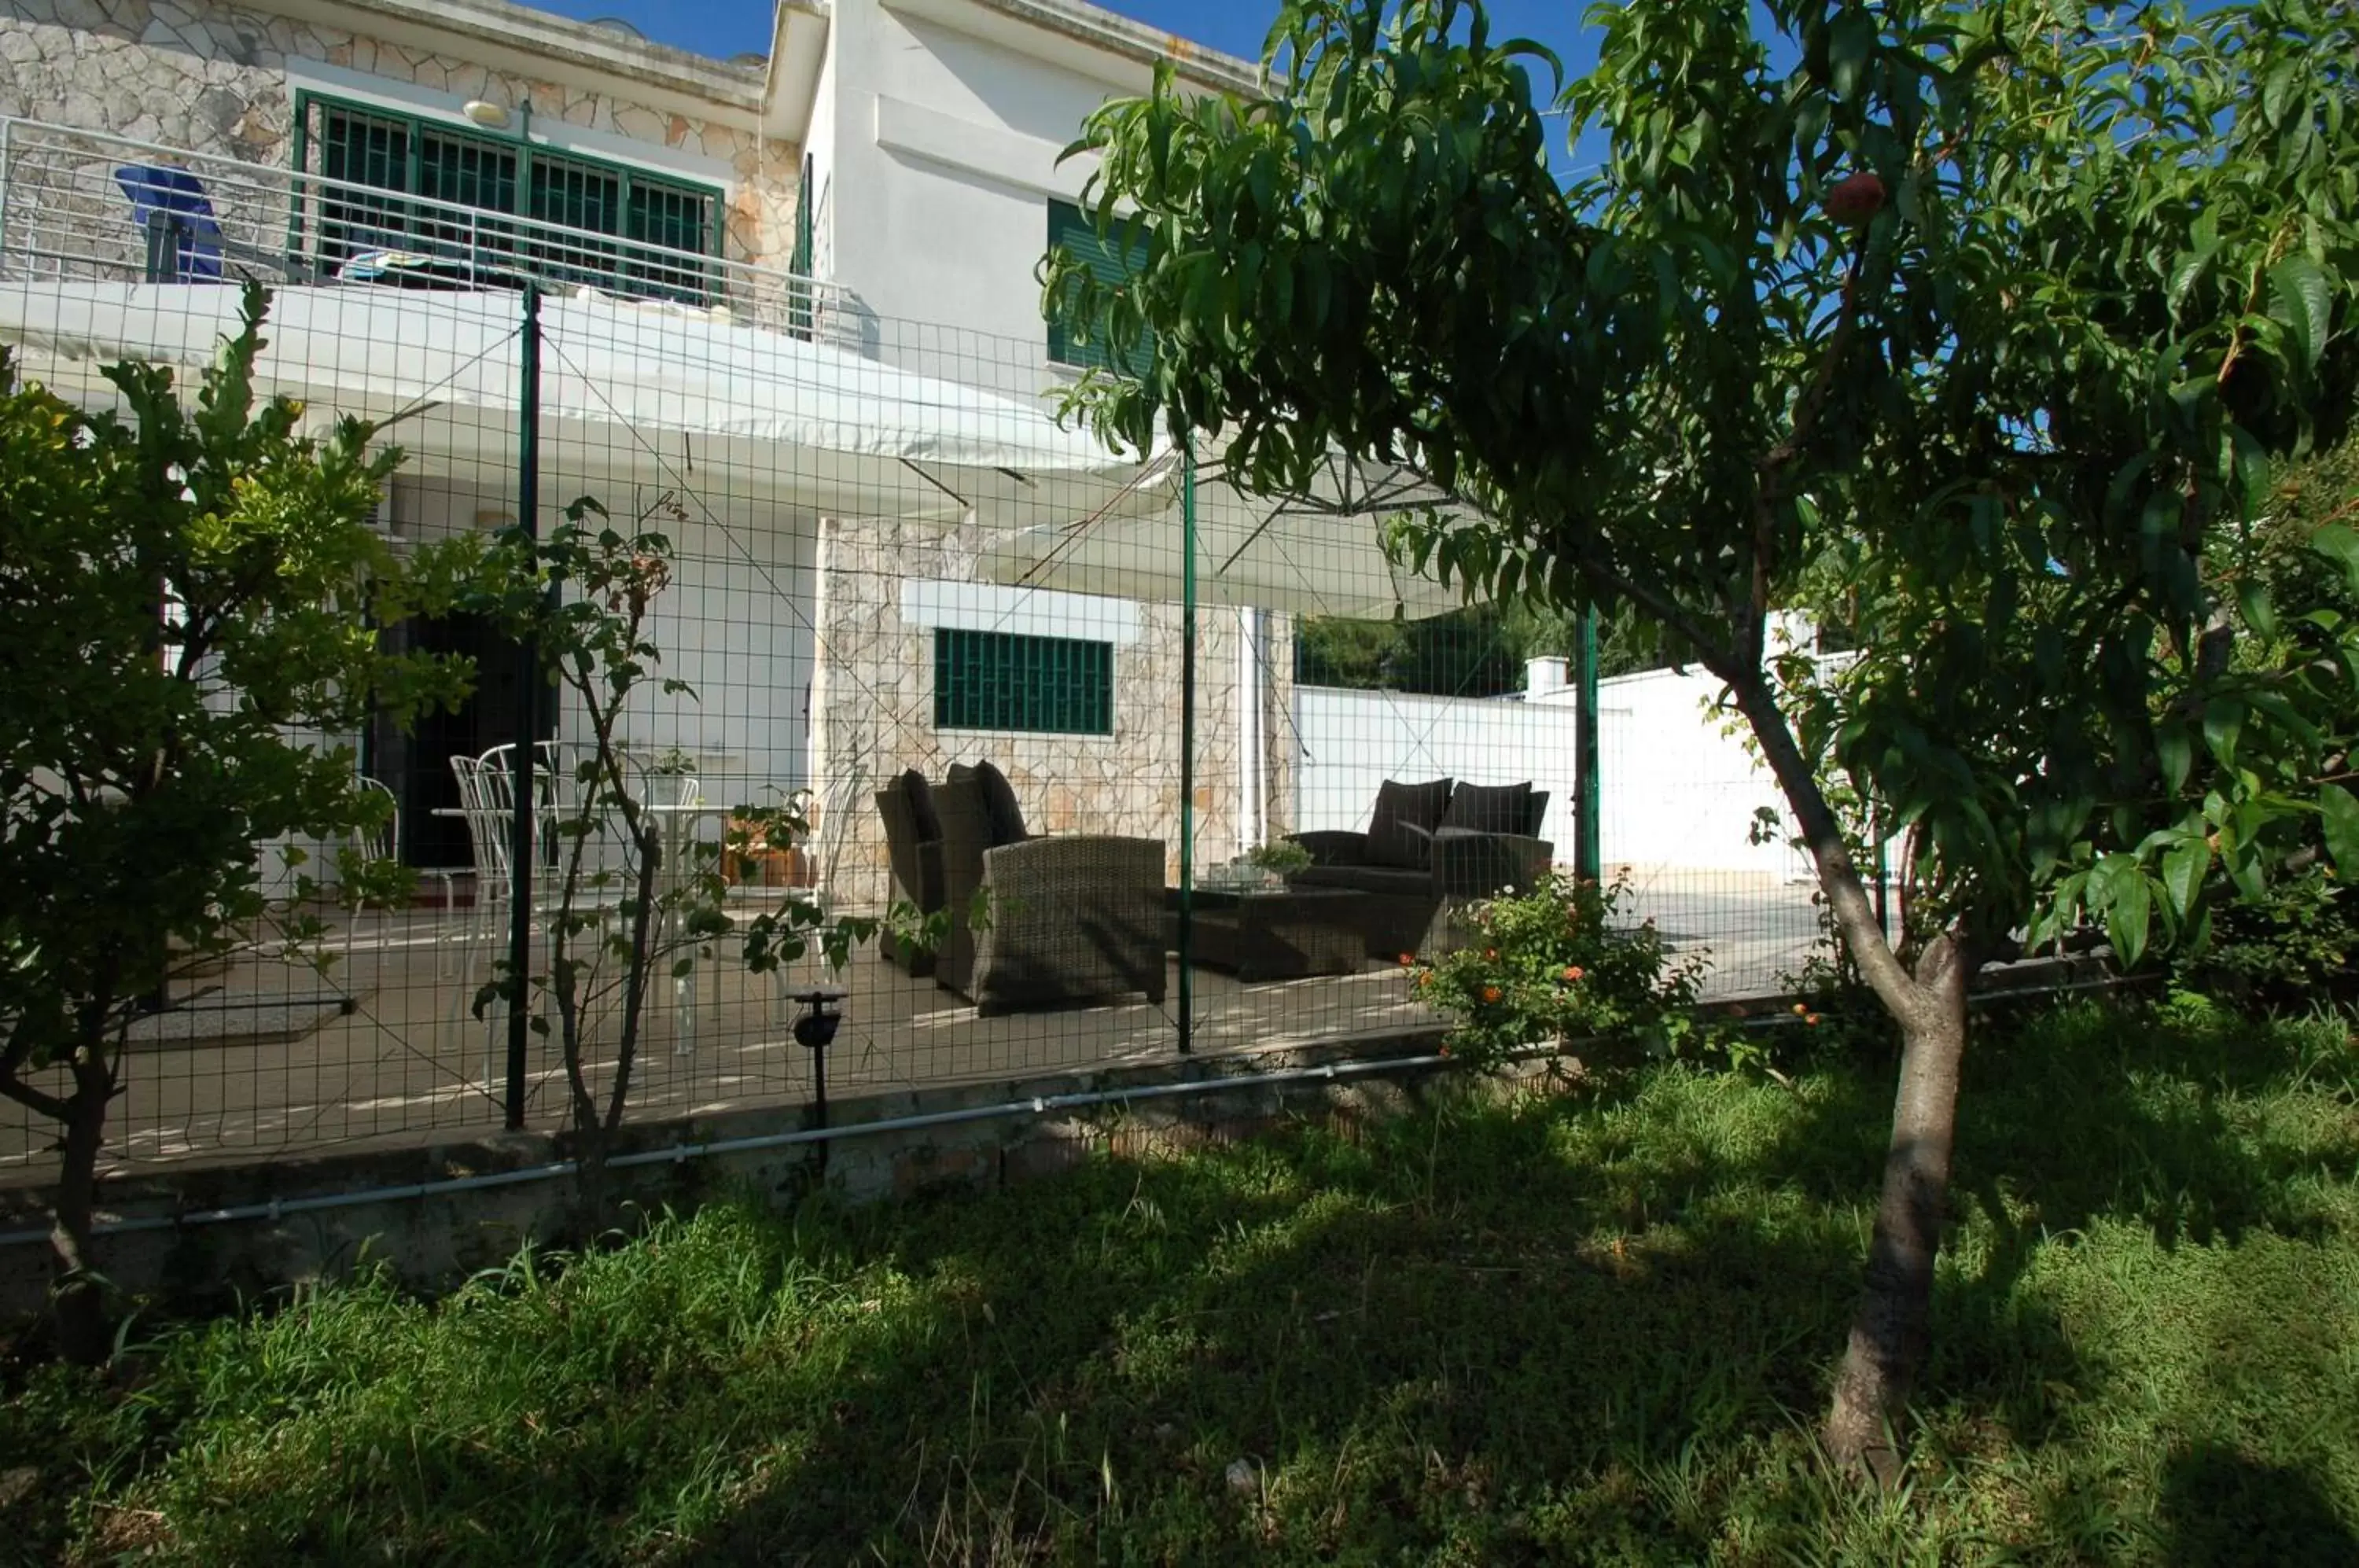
pixel 1070 229
pixel 993 681
pixel 609 205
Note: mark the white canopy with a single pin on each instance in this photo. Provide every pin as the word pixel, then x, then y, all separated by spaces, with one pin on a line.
pixel 660 395
pixel 1320 554
pixel 647 392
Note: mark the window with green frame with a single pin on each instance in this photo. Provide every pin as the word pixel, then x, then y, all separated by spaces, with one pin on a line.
pixel 1072 342
pixel 619 214
pixel 997 680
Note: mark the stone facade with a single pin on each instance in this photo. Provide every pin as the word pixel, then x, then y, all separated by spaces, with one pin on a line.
pixel 873 715
pixel 211 78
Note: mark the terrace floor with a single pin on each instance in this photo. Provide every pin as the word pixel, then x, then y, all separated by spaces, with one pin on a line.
pixel 268 1058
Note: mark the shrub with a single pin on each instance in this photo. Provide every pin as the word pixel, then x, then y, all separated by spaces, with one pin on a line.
pixel 1553 965
pixel 2290 947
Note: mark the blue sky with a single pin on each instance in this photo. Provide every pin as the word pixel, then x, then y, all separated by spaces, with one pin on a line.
pixel 724 27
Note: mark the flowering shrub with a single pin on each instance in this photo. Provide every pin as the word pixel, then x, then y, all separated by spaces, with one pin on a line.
pixel 1551 966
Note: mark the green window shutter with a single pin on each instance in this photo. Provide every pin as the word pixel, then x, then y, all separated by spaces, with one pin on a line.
pixel 410 155
pixel 800 312
pixel 995 681
pixel 1071 230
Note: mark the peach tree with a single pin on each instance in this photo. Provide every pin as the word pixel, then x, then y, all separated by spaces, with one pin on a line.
pixel 1972 327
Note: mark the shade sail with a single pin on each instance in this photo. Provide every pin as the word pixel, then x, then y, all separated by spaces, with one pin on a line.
pixel 1319 553
pixel 649 394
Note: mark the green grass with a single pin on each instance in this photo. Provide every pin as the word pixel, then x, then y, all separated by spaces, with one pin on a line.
pixel 1586 1330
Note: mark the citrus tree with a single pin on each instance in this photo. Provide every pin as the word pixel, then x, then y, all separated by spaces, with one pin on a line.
pixel 1972 327
pixel 185 592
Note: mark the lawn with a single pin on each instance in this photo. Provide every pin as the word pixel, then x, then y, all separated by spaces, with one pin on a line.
pixel 1588 1329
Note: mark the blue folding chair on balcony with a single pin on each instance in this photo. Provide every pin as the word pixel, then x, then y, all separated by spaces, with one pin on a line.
pixel 172 212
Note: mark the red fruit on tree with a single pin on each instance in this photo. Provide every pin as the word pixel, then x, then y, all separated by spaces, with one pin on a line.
pixel 1855 199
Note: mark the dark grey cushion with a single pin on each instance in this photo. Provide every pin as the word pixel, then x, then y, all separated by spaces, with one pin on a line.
pixel 1537 815
pixel 1401 832
pixel 1489 808
pixel 999 807
pixel 919 794
pixel 1389 879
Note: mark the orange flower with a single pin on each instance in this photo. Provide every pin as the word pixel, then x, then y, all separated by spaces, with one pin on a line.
pixel 1572 973
pixel 1490 993
pixel 1407 959
pixel 1811 1019
pixel 1800 1008
pixel 1492 953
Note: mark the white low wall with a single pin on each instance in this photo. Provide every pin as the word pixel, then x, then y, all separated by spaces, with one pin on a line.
pixel 1678 792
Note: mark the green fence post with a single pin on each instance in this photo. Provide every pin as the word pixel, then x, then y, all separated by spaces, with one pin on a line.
pixel 527 734
pixel 1187 942
pixel 1587 860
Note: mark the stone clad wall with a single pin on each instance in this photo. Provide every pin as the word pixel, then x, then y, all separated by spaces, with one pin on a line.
pixel 212 78
pixel 873 710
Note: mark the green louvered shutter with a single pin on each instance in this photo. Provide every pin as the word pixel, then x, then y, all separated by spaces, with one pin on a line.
pixel 1070 229
pixel 996 681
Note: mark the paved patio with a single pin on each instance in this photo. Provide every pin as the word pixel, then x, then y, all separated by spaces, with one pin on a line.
pixel 269 1059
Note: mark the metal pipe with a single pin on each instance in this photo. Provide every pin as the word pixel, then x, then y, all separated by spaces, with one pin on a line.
pixel 1037 1106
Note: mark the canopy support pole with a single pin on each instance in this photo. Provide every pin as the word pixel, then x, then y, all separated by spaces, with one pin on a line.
pixel 1187 942
pixel 524 754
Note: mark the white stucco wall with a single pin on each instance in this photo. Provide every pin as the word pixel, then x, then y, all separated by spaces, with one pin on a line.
pixel 1679 789
pixel 944 157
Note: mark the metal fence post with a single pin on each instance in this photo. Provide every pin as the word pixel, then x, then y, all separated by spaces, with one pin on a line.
pixel 6 126
pixel 1187 942
pixel 525 753
pixel 1587 859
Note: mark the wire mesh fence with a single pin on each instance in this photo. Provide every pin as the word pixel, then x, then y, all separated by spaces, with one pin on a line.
pixel 1061 699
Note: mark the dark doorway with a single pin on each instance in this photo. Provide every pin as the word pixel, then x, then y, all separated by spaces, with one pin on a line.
pixel 416 765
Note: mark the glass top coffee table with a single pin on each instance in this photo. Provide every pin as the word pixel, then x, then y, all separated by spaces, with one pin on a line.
pixel 1275 933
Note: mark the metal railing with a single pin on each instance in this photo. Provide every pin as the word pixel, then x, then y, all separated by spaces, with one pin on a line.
pixel 87 203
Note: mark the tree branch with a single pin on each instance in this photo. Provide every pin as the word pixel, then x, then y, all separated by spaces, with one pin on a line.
pixel 1674 615
pixel 1839 877
pixel 1775 463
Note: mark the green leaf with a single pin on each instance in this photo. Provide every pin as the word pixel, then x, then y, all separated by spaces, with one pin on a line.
pixel 2185 275
pixel 2223 721
pixel 2182 874
pixel 2253 599
pixel 2175 753
pixel 1850 40
pixel 2303 299
pixel 2341 809
pixel 2128 916
pixel 2339 544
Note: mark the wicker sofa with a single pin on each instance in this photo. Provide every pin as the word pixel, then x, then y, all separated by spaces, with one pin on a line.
pixel 1427 847
pixel 1068 919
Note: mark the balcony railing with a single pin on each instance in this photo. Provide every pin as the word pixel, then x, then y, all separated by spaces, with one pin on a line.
pixel 86 203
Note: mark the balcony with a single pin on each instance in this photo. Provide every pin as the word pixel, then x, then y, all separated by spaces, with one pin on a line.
pixel 77 203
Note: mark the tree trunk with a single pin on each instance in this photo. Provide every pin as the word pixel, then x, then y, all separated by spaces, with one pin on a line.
pixel 1891 1326
pixel 78 1298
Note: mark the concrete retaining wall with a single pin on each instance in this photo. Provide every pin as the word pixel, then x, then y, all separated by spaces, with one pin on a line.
pixel 435 1241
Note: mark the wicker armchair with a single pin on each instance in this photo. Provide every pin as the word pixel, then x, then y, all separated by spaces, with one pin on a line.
pixel 1068 919
pixel 917 863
